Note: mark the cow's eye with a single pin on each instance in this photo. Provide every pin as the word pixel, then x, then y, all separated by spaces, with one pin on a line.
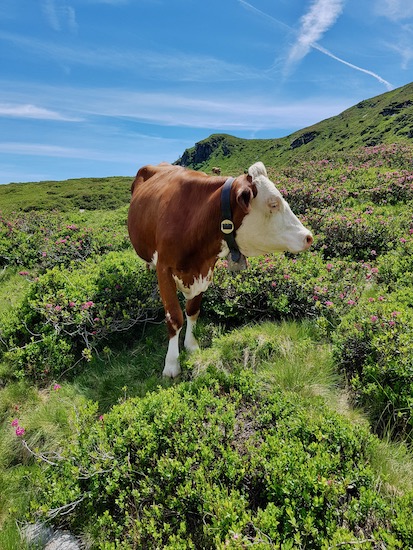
pixel 274 204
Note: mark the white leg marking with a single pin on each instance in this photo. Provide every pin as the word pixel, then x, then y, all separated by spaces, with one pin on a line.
pixel 172 367
pixel 190 341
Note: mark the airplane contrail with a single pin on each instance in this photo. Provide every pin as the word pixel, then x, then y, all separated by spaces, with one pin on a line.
pixel 315 45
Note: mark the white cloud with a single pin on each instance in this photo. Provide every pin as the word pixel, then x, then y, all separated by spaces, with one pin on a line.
pixel 59 15
pixel 405 50
pixel 396 10
pixel 31 111
pixel 48 150
pixel 171 66
pixel 229 110
pixel 49 10
pixel 321 16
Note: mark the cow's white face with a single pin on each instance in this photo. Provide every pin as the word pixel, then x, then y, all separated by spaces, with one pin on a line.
pixel 270 225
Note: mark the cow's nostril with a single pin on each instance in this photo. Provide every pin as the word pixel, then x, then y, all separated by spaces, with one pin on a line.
pixel 309 240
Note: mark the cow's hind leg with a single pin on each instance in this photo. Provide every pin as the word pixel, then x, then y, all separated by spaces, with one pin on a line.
pixel 192 314
pixel 174 320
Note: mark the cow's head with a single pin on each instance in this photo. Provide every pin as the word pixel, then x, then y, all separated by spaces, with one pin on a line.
pixel 269 225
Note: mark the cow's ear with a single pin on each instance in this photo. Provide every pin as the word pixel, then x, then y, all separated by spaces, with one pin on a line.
pixel 244 197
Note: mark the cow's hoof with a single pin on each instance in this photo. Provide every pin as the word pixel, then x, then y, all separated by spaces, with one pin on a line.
pixel 172 369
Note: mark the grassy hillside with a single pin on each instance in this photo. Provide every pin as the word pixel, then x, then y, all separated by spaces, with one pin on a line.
pixel 292 426
pixel 69 195
pixel 259 443
pixel 384 119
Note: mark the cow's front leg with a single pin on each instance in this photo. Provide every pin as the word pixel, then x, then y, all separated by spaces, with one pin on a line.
pixel 174 320
pixel 192 314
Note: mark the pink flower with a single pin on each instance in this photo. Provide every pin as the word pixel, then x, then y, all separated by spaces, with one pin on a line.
pixel 273 284
pixel 72 304
pixel 23 273
pixel 58 308
pixel 44 254
pixel 373 318
pixel 351 302
pixel 329 267
pixel 15 423
pixel 20 431
pixel 57 387
pixel 403 240
pixel 328 303
pixel 380 298
pixel 87 305
pixel 101 417
pixel 395 313
pixel 371 299
pixel 373 252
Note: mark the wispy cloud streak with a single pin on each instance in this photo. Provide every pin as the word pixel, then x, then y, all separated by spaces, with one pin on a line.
pixel 321 16
pixel 396 10
pixel 59 15
pixel 388 85
pixel 57 151
pixel 31 111
pixel 171 66
pixel 269 18
pixel 224 110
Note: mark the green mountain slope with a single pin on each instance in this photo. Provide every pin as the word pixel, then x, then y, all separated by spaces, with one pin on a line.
pixel 387 118
pixel 74 194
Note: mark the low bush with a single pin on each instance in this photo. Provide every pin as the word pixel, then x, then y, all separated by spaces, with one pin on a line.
pixel 70 312
pixel 396 267
pixel 42 241
pixel 282 287
pixel 358 235
pixel 374 348
pixel 217 463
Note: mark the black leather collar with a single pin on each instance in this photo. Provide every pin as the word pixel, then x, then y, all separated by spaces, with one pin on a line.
pixel 227 225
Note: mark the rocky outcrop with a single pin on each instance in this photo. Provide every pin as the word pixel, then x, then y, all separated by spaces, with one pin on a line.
pixel 204 149
pixel 45 538
pixel 303 139
pixel 395 108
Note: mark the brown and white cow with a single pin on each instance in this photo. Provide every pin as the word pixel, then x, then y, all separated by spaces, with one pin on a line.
pixel 175 224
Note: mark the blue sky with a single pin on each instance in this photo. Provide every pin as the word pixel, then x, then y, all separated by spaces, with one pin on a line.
pixel 92 88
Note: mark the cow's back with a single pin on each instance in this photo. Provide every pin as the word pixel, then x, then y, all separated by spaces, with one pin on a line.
pixel 165 207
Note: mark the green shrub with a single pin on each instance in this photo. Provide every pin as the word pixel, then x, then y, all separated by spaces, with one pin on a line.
pixel 44 240
pixel 217 464
pixel 70 312
pixel 282 287
pixel 396 267
pixel 374 348
pixel 359 235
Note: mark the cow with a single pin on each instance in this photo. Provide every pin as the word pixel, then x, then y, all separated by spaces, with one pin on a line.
pixel 181 222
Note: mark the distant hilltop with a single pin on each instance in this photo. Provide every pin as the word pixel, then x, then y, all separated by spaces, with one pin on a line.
pixel 386 118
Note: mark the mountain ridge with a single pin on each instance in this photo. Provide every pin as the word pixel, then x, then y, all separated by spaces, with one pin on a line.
pixel 386 118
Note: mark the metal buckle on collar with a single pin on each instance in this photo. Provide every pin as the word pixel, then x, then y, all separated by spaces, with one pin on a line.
pixel 227 226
